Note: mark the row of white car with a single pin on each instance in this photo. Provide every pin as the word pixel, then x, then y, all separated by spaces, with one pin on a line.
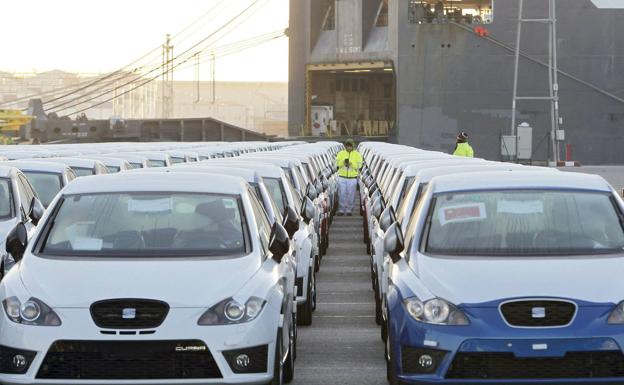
pixel 488 272
pixel 160 262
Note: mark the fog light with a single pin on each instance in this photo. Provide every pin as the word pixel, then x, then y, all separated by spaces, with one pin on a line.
pixel 243 360
pixel 425 361
pixel 19 361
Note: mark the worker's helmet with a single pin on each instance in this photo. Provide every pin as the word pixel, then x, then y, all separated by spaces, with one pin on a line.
pixel 349 142
pixel 462 137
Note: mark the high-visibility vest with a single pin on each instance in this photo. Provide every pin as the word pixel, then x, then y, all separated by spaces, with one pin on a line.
pixel 464 149
pixel 355 163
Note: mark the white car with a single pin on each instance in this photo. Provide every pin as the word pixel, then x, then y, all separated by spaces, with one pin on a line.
pixel 132 281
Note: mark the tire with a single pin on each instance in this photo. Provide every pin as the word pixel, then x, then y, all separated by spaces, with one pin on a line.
pixel 317 264
pixel 289 365
pixel 278 373
pixel 378 316
pixel 304 311
pixel 384 323
pixel 391 364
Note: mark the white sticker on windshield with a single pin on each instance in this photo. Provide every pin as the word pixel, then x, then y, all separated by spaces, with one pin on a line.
pixel 150 205
pixel 467 212
pixel 86 243
pixel 520 207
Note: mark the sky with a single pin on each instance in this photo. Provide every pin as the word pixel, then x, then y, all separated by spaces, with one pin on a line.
pixel 100 36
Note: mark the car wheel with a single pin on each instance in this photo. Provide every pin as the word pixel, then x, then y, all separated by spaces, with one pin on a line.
pixel 378 317
pixel 295 335
pixel 317 264
pixel 391 364
pixel 304 311
pixel 384 323
pixel 278 373
pixel 289 365
pixel 314 292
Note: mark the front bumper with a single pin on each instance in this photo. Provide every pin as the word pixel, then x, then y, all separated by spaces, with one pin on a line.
pixel 180 325
pixel 488 351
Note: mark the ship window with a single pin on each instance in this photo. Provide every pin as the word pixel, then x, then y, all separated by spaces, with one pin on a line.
pixel 450 11
pixel 329 21
pixel 382 14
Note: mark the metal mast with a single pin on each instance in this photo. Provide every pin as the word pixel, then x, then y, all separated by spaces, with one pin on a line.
pixel 167 78
pixel 553 70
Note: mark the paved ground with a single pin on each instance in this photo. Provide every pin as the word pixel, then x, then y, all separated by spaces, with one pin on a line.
pixel 343 345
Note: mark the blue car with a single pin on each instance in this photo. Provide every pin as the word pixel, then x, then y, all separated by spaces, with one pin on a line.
pixel 508 278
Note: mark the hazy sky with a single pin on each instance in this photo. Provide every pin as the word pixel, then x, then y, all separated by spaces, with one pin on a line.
pixel 98 36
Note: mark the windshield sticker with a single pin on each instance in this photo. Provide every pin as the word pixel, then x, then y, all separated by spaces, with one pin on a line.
pixel 86 243
pixel 462 213
pixel 520 207
pixel 229 203
pixel 150 205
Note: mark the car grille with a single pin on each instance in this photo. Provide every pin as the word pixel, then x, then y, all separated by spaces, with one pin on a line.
pixel 508 366
pixel 538 313
pixel 129 313
pixel 128 360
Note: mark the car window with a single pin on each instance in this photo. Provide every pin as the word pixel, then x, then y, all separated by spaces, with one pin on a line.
pixel 157 163
pixel 113 169
pixel 24 192
pixel 138 224
pixel 262 222
pixel 46 184
pixel 83 171
pixel 525 223
pixel 276 189
pixel 6 199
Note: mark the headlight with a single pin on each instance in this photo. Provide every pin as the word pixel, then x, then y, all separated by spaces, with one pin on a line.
pixel 230 311
pixel 435 311
pixel 31 312
pixel 617 315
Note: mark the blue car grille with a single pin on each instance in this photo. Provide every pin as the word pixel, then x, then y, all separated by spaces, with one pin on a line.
pixel 487 366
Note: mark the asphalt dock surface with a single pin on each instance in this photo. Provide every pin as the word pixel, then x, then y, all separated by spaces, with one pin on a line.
pixel 343 345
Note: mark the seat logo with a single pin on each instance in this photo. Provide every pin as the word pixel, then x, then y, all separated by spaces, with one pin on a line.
pixel 538 312
pixel 128 313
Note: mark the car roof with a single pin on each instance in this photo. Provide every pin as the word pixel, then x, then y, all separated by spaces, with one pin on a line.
pixel 266 169
pixel 203 168
pixel 504 180
pixel 25 165
pixel 7 171
pixel 74 162
pixel 148 181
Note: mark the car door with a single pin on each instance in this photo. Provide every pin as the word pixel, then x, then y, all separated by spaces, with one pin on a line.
pixel 285 269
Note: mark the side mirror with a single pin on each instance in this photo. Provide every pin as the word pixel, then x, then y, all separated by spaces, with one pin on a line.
pixel 387 218
pixel 312 192
pixel 291 221
pixel 377 207
pixel 319 186
pixel 36 211
pixel 394 242
pixel 16 241
pixel 373 189
pixel 307 210
pixel 279 242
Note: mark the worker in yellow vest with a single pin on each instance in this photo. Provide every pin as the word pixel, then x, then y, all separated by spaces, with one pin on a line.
pixel 349 162
pixel 462 148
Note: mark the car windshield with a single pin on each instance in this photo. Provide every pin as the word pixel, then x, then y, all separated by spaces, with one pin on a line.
pixel 46 184
pixel 176 160
pixel 146 225
pixel 525 223
pixel 6 200
pixel 136 165
pixel 113 169
pixel 82 171
pixel 276 189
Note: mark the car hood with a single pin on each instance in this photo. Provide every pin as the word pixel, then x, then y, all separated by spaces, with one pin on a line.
pixel 465 281
pixel 181 282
